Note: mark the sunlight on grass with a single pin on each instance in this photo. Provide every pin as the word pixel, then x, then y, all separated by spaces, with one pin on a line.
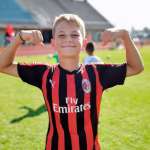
pixel 124 121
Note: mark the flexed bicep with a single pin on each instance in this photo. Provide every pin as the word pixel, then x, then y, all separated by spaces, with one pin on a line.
pixel 11 70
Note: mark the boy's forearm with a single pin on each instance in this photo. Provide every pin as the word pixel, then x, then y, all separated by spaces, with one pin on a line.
pixel 8 54
pixel 133 57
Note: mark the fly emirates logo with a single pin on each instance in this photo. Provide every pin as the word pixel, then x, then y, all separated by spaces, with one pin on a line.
pixel 72 106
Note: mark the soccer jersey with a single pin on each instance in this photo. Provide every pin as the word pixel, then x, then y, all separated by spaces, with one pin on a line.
pixel 73 101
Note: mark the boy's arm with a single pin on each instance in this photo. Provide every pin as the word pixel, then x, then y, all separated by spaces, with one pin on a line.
pixel 133 57
pixel 8 54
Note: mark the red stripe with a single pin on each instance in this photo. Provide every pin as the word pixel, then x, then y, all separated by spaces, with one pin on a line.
pixel 87 116
pixel 44 89
pixel 71 95
pixel 99 92
pixel 55 96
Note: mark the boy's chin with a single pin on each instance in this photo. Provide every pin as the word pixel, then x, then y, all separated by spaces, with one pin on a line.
pixel 70 55
pixel 69 50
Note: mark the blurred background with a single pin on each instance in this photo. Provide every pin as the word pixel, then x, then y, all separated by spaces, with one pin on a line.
pixel 97 14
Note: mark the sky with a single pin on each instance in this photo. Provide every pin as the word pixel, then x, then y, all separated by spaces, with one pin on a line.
pixel 125 13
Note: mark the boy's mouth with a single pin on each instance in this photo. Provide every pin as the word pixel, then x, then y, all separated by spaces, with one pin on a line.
pixel 68 46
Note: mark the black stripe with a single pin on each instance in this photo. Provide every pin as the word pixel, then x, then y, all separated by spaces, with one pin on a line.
pixel 62 103
pixel 49 95
pixel 80 116
pixel 94 118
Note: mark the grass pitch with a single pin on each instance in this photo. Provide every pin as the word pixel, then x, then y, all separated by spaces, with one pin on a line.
pixel 124 118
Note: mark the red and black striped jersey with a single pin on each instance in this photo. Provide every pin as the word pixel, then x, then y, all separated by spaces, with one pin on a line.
pixel 73 101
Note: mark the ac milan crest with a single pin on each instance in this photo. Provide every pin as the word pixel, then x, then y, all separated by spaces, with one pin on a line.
pixel 86 85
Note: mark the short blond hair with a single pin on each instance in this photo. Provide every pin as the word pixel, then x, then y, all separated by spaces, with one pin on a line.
pixel 69 18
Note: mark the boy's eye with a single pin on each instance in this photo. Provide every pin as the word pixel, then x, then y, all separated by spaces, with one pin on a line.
pixel 74 35
pixel 61 35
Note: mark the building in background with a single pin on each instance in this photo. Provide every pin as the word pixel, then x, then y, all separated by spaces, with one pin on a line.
pixel 39 14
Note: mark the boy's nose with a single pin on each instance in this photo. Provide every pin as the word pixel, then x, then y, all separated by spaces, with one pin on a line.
pixel 68 38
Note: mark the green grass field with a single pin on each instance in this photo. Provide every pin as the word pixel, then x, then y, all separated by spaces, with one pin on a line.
pixel 125 110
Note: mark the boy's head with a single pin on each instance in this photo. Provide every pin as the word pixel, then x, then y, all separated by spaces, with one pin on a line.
pixel 68 35
pixel 70 18
pixel 90 48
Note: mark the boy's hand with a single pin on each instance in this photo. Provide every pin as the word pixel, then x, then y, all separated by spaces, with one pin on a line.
pixel 113 34
pixel 33 36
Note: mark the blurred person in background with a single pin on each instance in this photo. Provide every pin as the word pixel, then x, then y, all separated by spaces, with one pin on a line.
pixel 91 58
pixel 9 34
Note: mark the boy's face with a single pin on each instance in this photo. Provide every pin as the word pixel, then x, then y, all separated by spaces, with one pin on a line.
pixel 68 40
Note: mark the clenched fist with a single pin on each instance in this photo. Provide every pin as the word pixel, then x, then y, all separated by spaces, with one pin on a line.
pixel 33 36
pixel 114 34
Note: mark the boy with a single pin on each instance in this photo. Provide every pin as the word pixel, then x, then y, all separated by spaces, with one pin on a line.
pixel 91 58
pixel 71 91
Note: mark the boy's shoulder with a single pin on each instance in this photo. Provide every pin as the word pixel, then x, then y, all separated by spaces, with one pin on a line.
pixel 37 64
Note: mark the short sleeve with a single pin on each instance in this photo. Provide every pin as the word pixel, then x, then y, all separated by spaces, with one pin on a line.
pixel 32 74
pixel 111 75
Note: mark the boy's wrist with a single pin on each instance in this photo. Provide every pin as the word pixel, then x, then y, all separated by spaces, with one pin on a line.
pixel 21 37
pixel 122 34
pixel 18 39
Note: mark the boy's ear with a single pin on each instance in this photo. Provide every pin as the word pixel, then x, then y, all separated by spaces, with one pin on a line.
pixel 53 43
pixel 85 41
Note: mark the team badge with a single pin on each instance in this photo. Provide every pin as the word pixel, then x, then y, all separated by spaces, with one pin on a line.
pixel 86 85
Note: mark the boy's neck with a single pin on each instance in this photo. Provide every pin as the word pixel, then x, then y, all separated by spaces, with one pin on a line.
pixel 90 54
pixel 69 64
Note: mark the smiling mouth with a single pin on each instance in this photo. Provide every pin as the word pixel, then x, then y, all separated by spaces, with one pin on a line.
pixel 68 46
